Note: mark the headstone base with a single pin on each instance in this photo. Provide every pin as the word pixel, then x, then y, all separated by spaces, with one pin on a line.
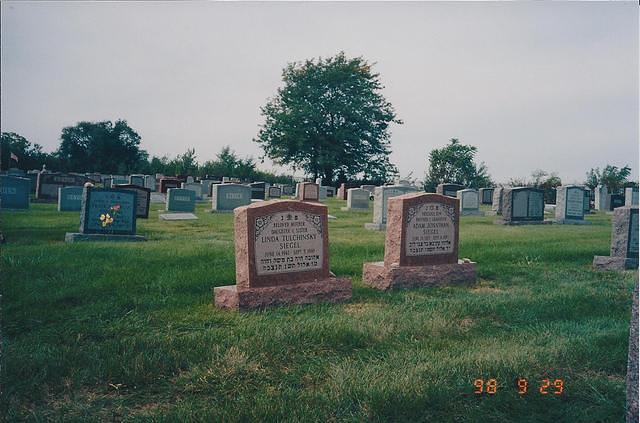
pixel 376 226
pixel 77 237
pixel 178 216
pixel 471 213
pixel 329 290
pixel 614 263
pixel 379 276
pixel 571 222
pixel 521 222
pixel 354 209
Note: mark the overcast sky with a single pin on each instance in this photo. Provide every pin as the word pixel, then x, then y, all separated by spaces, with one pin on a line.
pixel 532 85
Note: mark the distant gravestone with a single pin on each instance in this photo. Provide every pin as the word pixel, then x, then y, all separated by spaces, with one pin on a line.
pixel 602 199
pixel 631 196
pixel 624 241
pixel 70 198
pixel 496 201
pixel 308 191
pixel 195 187
pixel 421 245
pixel 274 192
pixel 48 184
pixel 322 193
pixel 449 190
pixel 258 190
pixel 570 205
pixel 342 191
pixel 95 178
pixel 150 182
pixel 206 186
pixel 14 171
pixel 14 192
pixel 331 192
pixel 143 199
pixel 486 195
pixel 119 180
pixel 469 202
pixel 136 180
pixel 587 201
pixel 181 200
pixel 615 201
pixel 380 198
pixel 370 188
pixel 287 190
pixel 189 180
pixel 107 215
pixel 522 205
pixel 357 200
pixel 282 257
pixel 167 183
pixel 227 197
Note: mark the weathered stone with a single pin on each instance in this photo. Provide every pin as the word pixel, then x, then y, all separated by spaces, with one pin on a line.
pixel 307 191
pixel 48 184
pixel 150 182
pixel 258 190
pixel 496 201
pixel 632 363
pixel 379 276
pixel 143 198
pixel 631 196
pixel 195 187
pixel 167 183
pixel 274 192
pixel 602 199
pixel 624 241
pixel 136 180
pixel 357 200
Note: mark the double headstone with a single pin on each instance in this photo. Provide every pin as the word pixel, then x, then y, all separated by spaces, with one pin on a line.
pixel 143 199
pixel 449 190
pixel 469 202
pixel 624 241
pixel 70 198
pixel 421 245
pixel 522 205
pixel 570 205
pixel 14 192
pixel 282 257
pixel 107 215
pixel 631 196
pixel 380 198
pixel 48 184
pixel 227 197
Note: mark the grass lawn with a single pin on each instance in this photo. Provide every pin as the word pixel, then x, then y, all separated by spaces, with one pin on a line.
pixel 127 331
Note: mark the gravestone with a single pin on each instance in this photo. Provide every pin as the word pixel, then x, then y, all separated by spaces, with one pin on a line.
pixel 522 206
pixel 322 193
pixel 496 201
pixel 14 192
pixel 70 198
pixel 381 196
pixel 167 183
pixel 486 195
pixel 287 190
pixel 307 191
pixel 632 363
pixel 195 187
pixel 615 201
pixel 227 197
pixel 449 190
pixel 587 201
pixel 469 202
pixel 95 178
pixel 282 257
pixel 602 199
pixel 48 184
pixel 136 180
pixel 570 205
pixel 119 180
pixel 357 200
pixel 206 186
pixel 107 214
pixel 189 179
pixel 624 241
pixel 143 199
pixel 342 191
pixel 330 192
pixel 258 190
pixel 631 196
pixel 218 183
pixel 421 245
pixel 370 188
pixel 150 182
pixel 181 200
pixel 274 192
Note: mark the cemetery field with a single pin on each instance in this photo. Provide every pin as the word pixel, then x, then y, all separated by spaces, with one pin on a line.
pixel 127 331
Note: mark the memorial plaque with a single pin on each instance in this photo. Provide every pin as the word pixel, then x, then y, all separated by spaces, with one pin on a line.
pixel 14 192
pixel 143 198
pixel 289 241
pixel 430 230
pixel 108 211
pixel 70 198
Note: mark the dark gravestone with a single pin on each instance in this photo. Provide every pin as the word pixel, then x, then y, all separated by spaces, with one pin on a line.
pixel 486 195
pixel 14 192
pixel 617 200
pixel 166 183
pixel 274 192
pixel 586 205
pixel 450 190
pixel 136 180
pixel 70 198
pixel 107 215
pixel 522 205
pixel 181 200
pixel 48 184
pixel 570 205
pixel 631 196
pixel 258 190
pixel 142 200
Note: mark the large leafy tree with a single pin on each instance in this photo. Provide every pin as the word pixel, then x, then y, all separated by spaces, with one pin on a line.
pixel 30 156
pixel 455 163
pixel 105 147
pixel 330 120
pixel 612 177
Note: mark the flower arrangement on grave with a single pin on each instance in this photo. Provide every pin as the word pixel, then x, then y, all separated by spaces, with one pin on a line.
pixel 109 216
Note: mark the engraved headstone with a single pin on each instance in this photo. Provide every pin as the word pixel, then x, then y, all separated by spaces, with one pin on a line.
pixel 307 191
pixel 380 198
pixel 522 205
pixel 282 257
pixel 227 197
pixel 143 199
pixel 421 245
pixel 287 190
pixel 181 200
pixel 570 205
pixel 624 241
pixel 357 200
pixel 70 198
pixel 14 192
pixel 258 190
pixel 631 196
pixel 48 184
pixel 602 199
pixel 486 195
pixel 449 190
pixel 469 202
pixel 136 180
pixel 274 192
pixel 167 183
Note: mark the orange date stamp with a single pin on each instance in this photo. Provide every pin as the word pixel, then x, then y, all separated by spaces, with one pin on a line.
pixel 522 386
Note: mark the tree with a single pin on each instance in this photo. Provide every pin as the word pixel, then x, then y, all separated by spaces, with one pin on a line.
pixel 612 177
pixel 455 163
pixel 184 164
pixel 329 119
pixel 101 147
pixel 30 156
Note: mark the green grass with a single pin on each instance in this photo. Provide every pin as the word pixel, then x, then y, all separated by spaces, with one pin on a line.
pixel 127 331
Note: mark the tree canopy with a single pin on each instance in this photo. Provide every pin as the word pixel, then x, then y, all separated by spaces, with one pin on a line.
pixel 455 163
pixel 30 156
pixel 330 120
pixel 612 177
